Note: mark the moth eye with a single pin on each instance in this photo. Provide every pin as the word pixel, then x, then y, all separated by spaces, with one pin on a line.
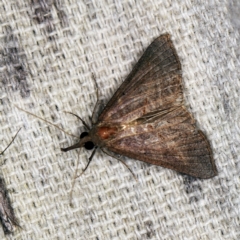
pixel 83 134
pixel 89 145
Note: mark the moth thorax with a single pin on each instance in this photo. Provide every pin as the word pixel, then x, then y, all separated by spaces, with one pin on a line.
pixel 106 132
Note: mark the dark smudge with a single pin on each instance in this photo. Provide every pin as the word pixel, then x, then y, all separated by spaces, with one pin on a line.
pixel 192 188
pixel 7 216
pixel 13 61
pixel 42 10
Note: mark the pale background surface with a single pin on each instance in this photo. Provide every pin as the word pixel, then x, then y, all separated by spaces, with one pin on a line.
pixel 48 52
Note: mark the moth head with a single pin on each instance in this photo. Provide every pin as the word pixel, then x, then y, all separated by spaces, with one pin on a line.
pixel 89 145
pixel 85 141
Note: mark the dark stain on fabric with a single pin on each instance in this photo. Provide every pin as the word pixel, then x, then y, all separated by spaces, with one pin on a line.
pixel 42 13
pixel 14 64
pixel 150 232
pixel 192 188
pixel 7 216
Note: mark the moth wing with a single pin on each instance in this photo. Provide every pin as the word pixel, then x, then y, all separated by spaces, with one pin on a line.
pixel 155 83
pixel 174 142
pixel 155 126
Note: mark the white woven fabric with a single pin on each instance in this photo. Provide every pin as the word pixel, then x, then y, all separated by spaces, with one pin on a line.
pixel 48 53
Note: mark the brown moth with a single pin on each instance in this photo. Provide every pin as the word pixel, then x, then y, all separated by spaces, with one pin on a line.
pixel 146 118
pixel 7 215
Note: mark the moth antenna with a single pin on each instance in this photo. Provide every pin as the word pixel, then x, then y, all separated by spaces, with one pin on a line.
pixel 76 170
pixel 10 142
pixel 98 103
pixel 97 89
pixel 83 122
pixel 46 121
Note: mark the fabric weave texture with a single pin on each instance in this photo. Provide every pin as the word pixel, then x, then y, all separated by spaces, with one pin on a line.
pixel 49 52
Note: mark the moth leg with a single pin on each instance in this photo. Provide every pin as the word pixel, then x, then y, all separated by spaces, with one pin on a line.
pixel 119 158
pixel 83 122
pixel 89 160
pixel 97 109
pixel 99 104
pixel 10 142
pixel 77 176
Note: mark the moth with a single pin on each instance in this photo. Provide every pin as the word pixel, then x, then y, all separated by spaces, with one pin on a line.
pixel 7 215
pixel 146 118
